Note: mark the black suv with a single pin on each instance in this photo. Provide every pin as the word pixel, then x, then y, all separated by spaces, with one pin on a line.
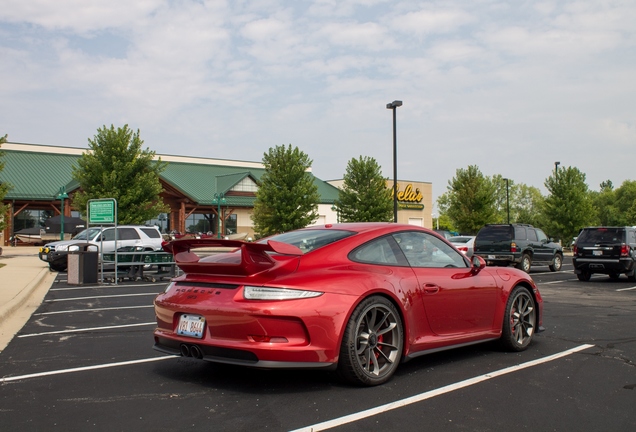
pixel 607 250
pixel 518 244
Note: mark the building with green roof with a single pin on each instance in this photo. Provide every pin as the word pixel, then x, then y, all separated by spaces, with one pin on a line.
pixel 195 189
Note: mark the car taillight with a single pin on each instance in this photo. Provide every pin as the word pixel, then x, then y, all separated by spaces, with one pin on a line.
pixel 513 247
pixel 624 250
pixel 463 249
pixel 575 250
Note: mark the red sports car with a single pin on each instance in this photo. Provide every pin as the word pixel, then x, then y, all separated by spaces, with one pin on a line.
pixel 359 298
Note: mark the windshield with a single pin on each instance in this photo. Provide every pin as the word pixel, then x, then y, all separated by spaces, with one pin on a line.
pixel 310 239
pixel 87 234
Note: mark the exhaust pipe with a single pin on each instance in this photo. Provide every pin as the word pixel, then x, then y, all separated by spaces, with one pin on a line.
pixel 196 352
pixel 185 351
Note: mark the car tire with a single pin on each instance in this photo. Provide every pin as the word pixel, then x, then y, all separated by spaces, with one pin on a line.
pixel 372 343
pixel 57 267
pixel 631 277
pixel 557 263
pixel 584 276
pixel 525 263
pixel 520 320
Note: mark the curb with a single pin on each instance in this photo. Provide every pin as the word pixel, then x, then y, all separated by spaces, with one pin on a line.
pixel 22 296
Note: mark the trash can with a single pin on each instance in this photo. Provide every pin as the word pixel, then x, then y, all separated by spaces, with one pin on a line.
pixel 82 264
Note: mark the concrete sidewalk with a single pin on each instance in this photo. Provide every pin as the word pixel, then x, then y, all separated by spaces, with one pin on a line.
pixel 24 281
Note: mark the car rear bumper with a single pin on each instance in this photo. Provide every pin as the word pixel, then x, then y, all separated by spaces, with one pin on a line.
pixel 53 257
pixel 599 265
pixel 498 258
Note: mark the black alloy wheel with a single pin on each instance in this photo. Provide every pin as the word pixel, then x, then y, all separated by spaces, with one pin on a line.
pixel 520 320
pixel 372 344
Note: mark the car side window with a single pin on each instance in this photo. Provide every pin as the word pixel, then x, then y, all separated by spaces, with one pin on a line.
pixel 108 235
pixel 151 232
pixel 541 235
pixel 520 233
pixel 532 235
pixel 424 250
pixel 378 251
pixel 127 234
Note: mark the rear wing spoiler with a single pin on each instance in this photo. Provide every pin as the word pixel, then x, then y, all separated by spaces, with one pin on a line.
pixel 234 257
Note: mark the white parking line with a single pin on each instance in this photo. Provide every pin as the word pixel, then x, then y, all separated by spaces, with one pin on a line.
pixel 84 368
pixel 627 289
pixel 92 310
pixel 430 394
pixel 107 287
pixel 96 297
pixel 86 329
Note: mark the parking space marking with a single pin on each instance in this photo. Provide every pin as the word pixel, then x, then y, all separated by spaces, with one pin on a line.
pixel 108 286
pixel 86 329
pixel 97 297
pixel 92 310
pixel 627 289
pixel 437 392
pixel 83 368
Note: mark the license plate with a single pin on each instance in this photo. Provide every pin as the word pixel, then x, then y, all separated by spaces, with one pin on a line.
pixel 45 257
pixel 492 257
pixel 597 252
pixel 191 326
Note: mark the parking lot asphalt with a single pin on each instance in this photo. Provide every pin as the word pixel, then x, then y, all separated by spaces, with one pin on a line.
pixel 84 360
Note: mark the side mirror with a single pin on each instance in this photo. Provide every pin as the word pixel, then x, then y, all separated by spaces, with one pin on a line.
pixel 478 264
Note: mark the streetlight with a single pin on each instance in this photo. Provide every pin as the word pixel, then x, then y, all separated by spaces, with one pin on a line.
pixel 507 200
pixel 392 106
pixel 162 217
pixel 62 195
pixel 218 198
pixel 556 168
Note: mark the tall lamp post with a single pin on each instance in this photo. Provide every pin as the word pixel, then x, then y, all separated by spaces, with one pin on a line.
pixel 62 195
pixel 556 168
pixel 218 198
pixel 162 218
pixel 507 200
pixel 393 106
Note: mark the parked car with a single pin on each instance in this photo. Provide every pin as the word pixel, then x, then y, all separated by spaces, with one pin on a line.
pixel 606 250
pixel 360 298
pixel 446 234
pixel 521 245
pixel 464 244
pixel 146 237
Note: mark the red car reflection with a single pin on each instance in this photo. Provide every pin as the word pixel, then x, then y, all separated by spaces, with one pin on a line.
pixel 359 298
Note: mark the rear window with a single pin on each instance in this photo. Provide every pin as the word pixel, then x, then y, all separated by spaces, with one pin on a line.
pixel 494 233
pixel 308 240
pixel 601 235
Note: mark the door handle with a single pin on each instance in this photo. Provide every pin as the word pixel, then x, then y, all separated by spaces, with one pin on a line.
pixel 431 288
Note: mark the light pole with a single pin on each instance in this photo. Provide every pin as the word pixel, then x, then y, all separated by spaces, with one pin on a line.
pixel 162 217
pixel 556 168
pixel 218 198
pixel 393 106
pixel 507 200
pixel 62 195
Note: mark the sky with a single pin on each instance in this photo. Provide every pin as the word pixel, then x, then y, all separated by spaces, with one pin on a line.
pixel 509 86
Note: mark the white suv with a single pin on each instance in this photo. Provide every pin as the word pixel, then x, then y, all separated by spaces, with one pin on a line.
pixel 146 237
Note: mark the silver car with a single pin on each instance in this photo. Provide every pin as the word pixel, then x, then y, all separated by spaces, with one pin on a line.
pixel 465 244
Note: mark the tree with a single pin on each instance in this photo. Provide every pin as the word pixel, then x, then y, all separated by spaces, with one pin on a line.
pixel 604 201
pixel 568 208
pixel 287 198
pixel 625 203
pixel 527 205
pixel 364 196
pixel 116 167
pixel 4 188
pixel 470 200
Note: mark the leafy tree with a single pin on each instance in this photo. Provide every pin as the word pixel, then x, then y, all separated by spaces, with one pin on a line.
pixel 470 200
pixel 527 205
pixel 604 202
pixel 568 208
pixel 364 196
pixel 117 167
pixel 4 188
pixel 625 204
pixel 287 198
